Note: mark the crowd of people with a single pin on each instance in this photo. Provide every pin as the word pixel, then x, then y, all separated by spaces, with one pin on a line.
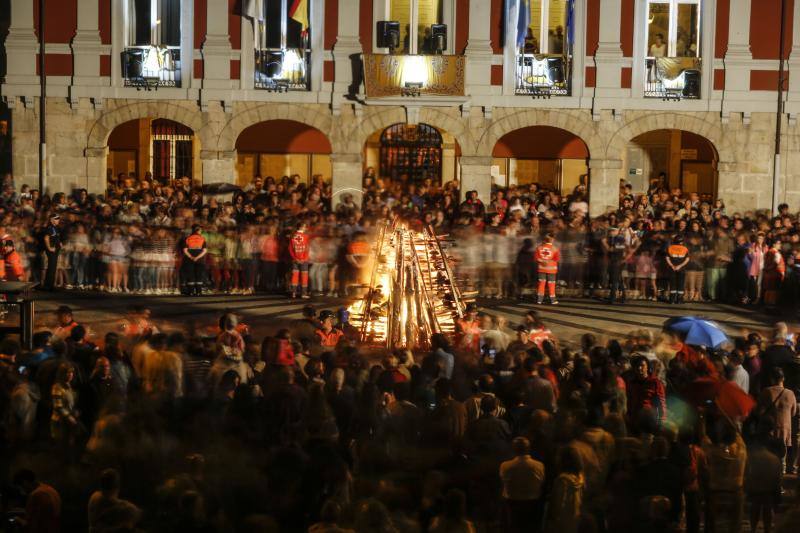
pixel 662 245
pixel 497 429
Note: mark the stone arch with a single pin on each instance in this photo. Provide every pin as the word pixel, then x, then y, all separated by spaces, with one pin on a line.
pixel 254 113
pixel 671 121
pixel 355 138
pixel 579 124
pixel 103 126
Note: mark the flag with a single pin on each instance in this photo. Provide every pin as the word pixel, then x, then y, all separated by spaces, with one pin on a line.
pixel 299 13
pixel 570 26
pixel 253 9
pixel 523 21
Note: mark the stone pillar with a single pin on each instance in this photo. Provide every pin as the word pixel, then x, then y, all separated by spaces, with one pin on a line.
pixel 604 176
pixel 218 167
pixel 476 175
pixel 217 47
pixel 86 45
pixel 738 58
pixel 346 177
pixel 346 52
pixel 96 163
pixel 608 57
pixel 479 50
pixel 21 45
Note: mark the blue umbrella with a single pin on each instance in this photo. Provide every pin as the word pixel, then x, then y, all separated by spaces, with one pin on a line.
pixel 697 331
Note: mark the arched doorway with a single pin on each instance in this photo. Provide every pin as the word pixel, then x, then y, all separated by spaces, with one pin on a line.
pixel 413 153
pixel 553 158
pixel 277 148
pixel 162 149
pixel 672 159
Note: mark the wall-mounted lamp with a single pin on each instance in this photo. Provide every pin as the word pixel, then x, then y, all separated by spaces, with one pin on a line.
pixel 414 76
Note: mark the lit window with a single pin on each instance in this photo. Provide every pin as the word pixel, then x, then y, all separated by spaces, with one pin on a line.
pixel 171 152
pixel 151 58
pixel 672 57
pixel 544 34
pixel 154 23
pixel 283 44
pixel 416 18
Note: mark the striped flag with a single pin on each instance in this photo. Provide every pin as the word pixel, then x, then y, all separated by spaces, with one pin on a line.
pixel 523 21
pixel 299 12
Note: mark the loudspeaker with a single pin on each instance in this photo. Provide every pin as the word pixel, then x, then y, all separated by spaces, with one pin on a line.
pixel 555 70
pixel 132 62
pixel 438 38
pixel 691 84
pixel 388 35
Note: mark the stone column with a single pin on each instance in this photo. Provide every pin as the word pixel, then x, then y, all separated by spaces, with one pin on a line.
pixel 21 45
pixel 604 176
pixel 96 161
pixel 218 167
pixel 479 49
pixel 86 45
pixel 217 47
pixel 346 177
pixel 608 57
pixel 476 175
pixel 346 53
pixel 738 58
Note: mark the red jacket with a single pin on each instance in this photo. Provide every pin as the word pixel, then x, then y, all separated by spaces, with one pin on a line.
pixel 11 267
pixel 547 257
pixel 644 394
pixel 298 246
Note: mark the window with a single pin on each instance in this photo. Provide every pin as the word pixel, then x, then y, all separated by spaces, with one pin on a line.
pixel 673 49
pixel 411 152
pixel 172 150
pixel 151 58
pixel 154 23
pixel 416 18
pixel 283 49
pixel 544 35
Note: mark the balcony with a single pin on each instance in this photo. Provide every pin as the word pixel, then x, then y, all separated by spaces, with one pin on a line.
pixel 151 67
pixel 413 76
pixel 672 78
pixel 282 70
pixel 542 75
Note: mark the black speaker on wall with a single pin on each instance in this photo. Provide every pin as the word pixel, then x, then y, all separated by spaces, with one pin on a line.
pixel 388 34
pixel 438 38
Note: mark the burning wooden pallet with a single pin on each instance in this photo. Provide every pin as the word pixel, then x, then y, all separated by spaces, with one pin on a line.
pixel 412 292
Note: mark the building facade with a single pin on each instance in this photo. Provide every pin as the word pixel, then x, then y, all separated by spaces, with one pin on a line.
pixel 561 92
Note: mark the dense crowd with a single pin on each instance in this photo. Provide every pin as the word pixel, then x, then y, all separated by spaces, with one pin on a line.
pixel 133 239
pixel 500 430
pixel 496 429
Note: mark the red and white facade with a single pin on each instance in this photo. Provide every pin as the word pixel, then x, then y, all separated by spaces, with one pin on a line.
pixel 218 97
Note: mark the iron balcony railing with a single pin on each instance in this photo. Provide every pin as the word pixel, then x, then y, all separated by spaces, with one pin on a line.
pixel 283 70
pixel 543 75
pixel 151 67
pixel 672 78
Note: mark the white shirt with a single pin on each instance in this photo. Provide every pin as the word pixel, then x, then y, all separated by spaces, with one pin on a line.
pixel 741 378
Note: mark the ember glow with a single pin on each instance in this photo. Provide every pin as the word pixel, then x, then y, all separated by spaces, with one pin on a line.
pixel 412 291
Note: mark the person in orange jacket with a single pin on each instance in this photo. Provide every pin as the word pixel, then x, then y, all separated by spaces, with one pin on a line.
pixel 547 257
pixel 11 268
pixel 468 329
pixel 298 250
pixel 327 334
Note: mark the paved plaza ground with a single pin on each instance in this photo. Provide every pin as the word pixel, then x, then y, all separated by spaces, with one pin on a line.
pixel 266 314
